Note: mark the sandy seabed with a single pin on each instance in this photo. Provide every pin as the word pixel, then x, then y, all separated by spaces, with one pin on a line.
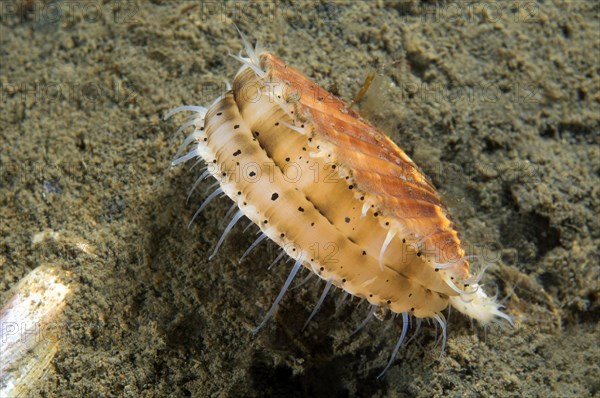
pixel 498 102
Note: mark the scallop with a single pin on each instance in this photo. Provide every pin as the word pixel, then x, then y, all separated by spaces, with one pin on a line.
pixel 334 192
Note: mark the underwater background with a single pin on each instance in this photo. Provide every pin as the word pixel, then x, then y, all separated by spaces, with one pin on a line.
pixel 498 102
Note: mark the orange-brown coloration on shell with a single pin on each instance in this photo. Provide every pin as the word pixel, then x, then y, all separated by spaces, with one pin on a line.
pixel 378 166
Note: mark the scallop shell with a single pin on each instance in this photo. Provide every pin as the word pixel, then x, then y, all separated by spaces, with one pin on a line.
pixel 334 193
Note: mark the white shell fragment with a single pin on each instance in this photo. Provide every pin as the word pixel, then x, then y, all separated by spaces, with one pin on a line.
pixel 28 329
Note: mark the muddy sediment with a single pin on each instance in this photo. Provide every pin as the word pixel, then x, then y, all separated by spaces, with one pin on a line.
pixel 499 105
